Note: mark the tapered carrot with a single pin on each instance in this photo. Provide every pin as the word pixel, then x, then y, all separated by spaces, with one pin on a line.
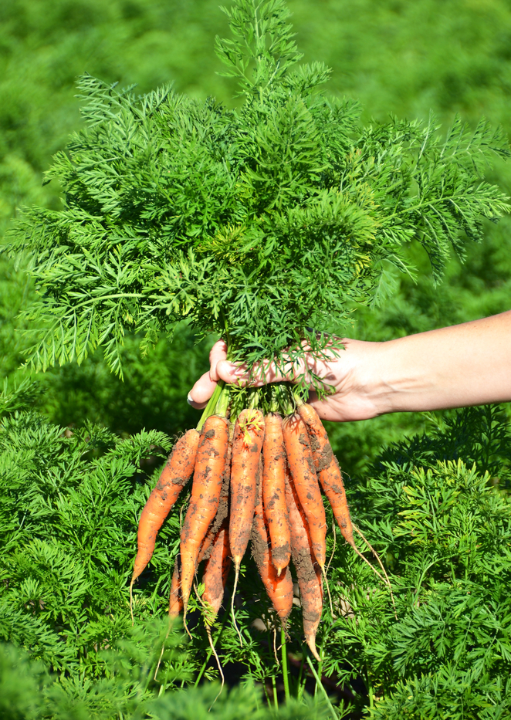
pixel 223 506
pixel 246 454
pixel 175 475
pixel 330 477
pixel 206 490
pixel 274 491
pixel 175 605
pixel 278 587
pixel 308 572
pixel 176 601
pixel 215 577
pixel 302 469
pixel 246 450
pixel 215 573
pixel 328 470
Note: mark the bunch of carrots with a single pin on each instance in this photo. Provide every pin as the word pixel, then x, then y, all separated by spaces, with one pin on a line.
pixel 257 479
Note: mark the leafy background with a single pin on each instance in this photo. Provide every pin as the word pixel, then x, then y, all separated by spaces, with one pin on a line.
pixel 407 59
pixel 396 57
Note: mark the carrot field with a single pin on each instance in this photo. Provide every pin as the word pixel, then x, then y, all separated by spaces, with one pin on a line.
pixel 175 172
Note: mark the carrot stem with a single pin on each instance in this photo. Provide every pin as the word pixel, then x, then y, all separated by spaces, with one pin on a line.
pixel 284 665
pixel 301 687
pixel 275 698
pixel 211 406
pixel 223 401
pixel 320 685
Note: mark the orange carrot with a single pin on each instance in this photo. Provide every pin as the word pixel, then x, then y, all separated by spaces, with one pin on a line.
pixel 173 478
pixel 206 490
pixel 278 587
pixel 305 480
pixel 330 477
pixel 308 572
pixel 215 578
pixel 328 470
pixel 176 601
pixel 216 572
pixel 246 451
pixel 274 491
pixel 245 465
pixel 223 506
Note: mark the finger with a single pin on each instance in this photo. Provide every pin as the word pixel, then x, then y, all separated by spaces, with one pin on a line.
pixel 217 353
pixel 322 407
pixel 262 373
pixel 291 369
pixel 201 392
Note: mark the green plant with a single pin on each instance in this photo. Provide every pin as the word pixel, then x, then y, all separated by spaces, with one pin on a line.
pixel 68 509
pixel 447 652
pixel 253 223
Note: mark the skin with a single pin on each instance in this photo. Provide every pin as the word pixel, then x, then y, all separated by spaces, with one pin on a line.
pixel 468 364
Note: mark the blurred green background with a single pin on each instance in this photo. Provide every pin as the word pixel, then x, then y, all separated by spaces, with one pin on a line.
pixel 396 57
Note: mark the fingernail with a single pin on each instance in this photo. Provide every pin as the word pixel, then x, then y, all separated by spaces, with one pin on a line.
pixel 189 399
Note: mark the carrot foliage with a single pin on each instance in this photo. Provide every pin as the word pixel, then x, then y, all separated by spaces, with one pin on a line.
pixel 256 222
pixel 436 507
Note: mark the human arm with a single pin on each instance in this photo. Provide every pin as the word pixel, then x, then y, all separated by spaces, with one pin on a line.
pixel 457 366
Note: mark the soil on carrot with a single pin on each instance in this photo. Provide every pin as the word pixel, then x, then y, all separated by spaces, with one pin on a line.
pixel 304 566
pixel 259 548
pixel 325 457
pixel 281 553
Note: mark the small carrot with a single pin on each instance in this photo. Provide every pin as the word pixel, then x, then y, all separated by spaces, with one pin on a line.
pixel 206 490
pixel 215 573
pixel 215 577
pixel 175 605
pixel 176 601
pixel 305 480
pixel 175 475
pixel 274 491
pixel 308 572
pixel 328 470
pixel 278 587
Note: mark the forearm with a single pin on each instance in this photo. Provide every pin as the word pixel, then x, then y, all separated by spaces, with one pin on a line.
pixel 467 364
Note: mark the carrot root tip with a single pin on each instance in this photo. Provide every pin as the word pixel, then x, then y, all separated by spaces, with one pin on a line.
pixel 233 613
pixel 131 601
pixel 311 642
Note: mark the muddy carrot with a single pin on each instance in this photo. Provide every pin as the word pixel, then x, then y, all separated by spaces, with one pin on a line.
pixel 307 570
pixel 216 571
pixel 176 601
pixel 246 450
pixel 223 506
pixel 175 475
pixel 278 587
pixel 330 477
pixel 245 466
pixel 328 470
pixel 303 472
pixel 274 491
pixel 215 578
pixel 206 490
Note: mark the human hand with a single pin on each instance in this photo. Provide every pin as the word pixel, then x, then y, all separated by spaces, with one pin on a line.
pixel 467 364
pixel 350 376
